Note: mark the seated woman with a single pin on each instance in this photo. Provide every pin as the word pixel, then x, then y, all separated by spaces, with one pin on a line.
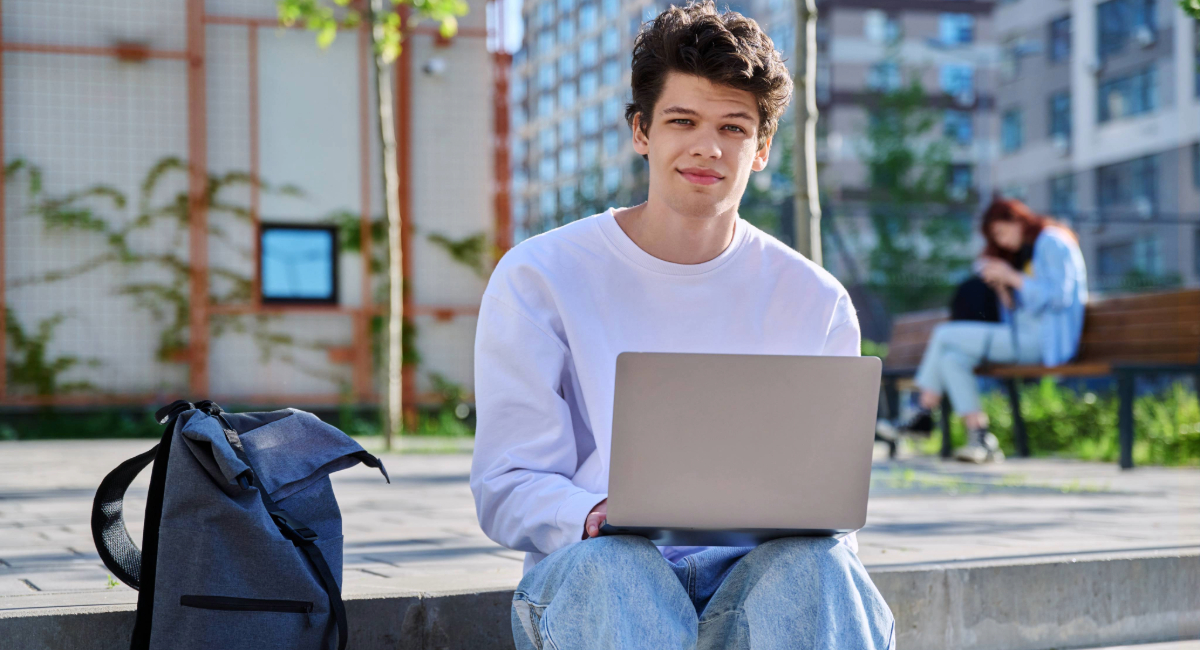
pixel 1042 314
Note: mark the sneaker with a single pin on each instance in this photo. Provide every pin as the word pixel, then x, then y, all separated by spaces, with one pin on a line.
pixel 981 447
pixel 920 423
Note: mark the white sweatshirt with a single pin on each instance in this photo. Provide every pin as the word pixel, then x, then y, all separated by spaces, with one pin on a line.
pixel 558 310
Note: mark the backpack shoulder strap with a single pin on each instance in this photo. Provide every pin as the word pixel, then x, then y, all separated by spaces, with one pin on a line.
pixel 120 554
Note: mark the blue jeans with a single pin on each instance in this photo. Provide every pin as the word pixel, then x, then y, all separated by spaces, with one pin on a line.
pixel 957 347
pixel 619 593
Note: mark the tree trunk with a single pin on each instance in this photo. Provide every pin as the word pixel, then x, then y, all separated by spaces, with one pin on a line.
pixel 808 201
pixel 391 191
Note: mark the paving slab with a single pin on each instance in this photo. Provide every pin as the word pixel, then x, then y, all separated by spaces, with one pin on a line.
pixel 412 542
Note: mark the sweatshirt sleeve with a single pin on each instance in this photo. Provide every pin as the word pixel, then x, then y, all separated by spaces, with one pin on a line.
pixel 1054 280
pixel 525 447
pixel 844 338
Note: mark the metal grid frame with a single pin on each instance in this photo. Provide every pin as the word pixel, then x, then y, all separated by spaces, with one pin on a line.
pixel 202 309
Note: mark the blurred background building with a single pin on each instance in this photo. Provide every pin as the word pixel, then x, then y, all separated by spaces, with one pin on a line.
pixel 1100 120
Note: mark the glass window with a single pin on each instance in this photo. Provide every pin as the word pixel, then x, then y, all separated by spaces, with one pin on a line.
pixel 956 29
pixel 545 13
pixel 566 196
pixel 879 27
pixel 567 65
pixel 589 153
pixel 962 179
pixel 1119 21
pixel 1196 42
pixel 612 72
pixel 519 117
pixel 612 111
pixel 1062 195
pixel 588 85
pixel 568 131
pixel 566 30
pixel 1060 39
pixel 546 77
pixel 589 120
pixel 519 149
pixel 957 79
pixel 545 41
pixel 1130 186
pixel 587 17
pixel 1012 131
pixel 612 143
pixel 567 160
pixel 612 179
pixel 548 204
pixel 546 169
pixel 610 40
pixel 1126 96
pixel 1060 115
pixel 610 7
pixel 884 76
pixel 566 6
pixel 299 263
pixel 1196 166
pixel 589 53
pixel 958 126
pixel 516 91
pixel 566 95
pixel 547 142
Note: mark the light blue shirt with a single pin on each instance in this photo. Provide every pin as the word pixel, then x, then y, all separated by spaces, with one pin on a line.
pixel 1056 291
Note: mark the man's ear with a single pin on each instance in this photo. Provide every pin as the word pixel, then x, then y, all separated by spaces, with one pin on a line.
pixel 762 156
pixel 641 141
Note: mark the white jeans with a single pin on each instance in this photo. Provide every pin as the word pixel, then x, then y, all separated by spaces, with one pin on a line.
pixel 957 347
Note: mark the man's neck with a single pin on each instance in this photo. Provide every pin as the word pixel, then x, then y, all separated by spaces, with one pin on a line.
pixel 675 237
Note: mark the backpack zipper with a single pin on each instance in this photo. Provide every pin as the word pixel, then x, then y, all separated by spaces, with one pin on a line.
pixel 232 604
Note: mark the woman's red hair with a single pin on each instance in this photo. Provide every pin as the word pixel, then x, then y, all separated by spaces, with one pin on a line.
pixel 1012 210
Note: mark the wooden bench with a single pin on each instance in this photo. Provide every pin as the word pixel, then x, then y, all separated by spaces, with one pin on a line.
pixel 1123 337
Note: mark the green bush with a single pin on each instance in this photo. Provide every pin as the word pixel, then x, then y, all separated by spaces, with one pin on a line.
pixel 1062 422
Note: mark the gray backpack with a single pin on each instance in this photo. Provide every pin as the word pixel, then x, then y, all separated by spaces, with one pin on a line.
pixel 242 543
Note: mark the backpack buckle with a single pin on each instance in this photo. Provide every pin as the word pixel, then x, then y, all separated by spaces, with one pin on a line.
pixel 292 528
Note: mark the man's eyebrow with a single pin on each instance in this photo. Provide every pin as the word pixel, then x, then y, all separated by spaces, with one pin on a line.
pixel 679 110
pixel 739 114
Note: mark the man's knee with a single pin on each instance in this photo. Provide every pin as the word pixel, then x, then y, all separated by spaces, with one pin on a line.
pixel 610 561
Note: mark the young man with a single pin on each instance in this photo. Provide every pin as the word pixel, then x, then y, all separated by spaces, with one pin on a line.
pixel 678 273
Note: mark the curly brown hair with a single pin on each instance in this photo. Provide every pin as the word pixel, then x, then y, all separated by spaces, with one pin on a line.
pixel 725 48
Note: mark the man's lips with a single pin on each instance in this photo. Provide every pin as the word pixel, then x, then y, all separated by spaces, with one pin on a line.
pixel 700 176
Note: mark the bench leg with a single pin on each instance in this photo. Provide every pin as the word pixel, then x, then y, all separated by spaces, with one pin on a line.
pixel 1020 436
pixel 891 398
pixel 947 443
pixel 1125 417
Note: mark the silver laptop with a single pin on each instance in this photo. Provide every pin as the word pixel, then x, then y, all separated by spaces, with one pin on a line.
pixel 735 450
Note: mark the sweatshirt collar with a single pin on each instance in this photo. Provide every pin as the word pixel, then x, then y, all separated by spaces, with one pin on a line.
pixel 611 230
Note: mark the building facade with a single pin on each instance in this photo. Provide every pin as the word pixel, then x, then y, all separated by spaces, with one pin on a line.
pixel 189 192
pixel 1101 120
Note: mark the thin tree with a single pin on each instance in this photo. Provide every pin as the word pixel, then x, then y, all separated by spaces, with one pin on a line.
pixel 807 200
pixel 388 28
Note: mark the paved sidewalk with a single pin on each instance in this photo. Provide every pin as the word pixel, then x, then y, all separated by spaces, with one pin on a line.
pixel 419 534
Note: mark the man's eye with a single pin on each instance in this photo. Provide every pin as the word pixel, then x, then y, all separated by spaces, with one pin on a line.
pixel 731 126
pixel 680 120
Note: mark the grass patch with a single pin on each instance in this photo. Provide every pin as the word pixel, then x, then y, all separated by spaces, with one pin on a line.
pixel 1063 422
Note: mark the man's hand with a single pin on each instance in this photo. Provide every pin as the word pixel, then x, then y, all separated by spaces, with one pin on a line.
pixel 598 515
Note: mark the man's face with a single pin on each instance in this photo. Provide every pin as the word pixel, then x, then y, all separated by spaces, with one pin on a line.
pixel 702 144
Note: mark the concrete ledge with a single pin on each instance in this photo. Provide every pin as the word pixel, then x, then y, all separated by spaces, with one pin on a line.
pixel 1058 602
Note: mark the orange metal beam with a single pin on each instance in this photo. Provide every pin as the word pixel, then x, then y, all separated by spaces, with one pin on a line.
pixel 255 162
pixel 362 323
pixel 3 298
pixel 41 48
pixel 198 209
pixel 502 205
pixel 403 72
